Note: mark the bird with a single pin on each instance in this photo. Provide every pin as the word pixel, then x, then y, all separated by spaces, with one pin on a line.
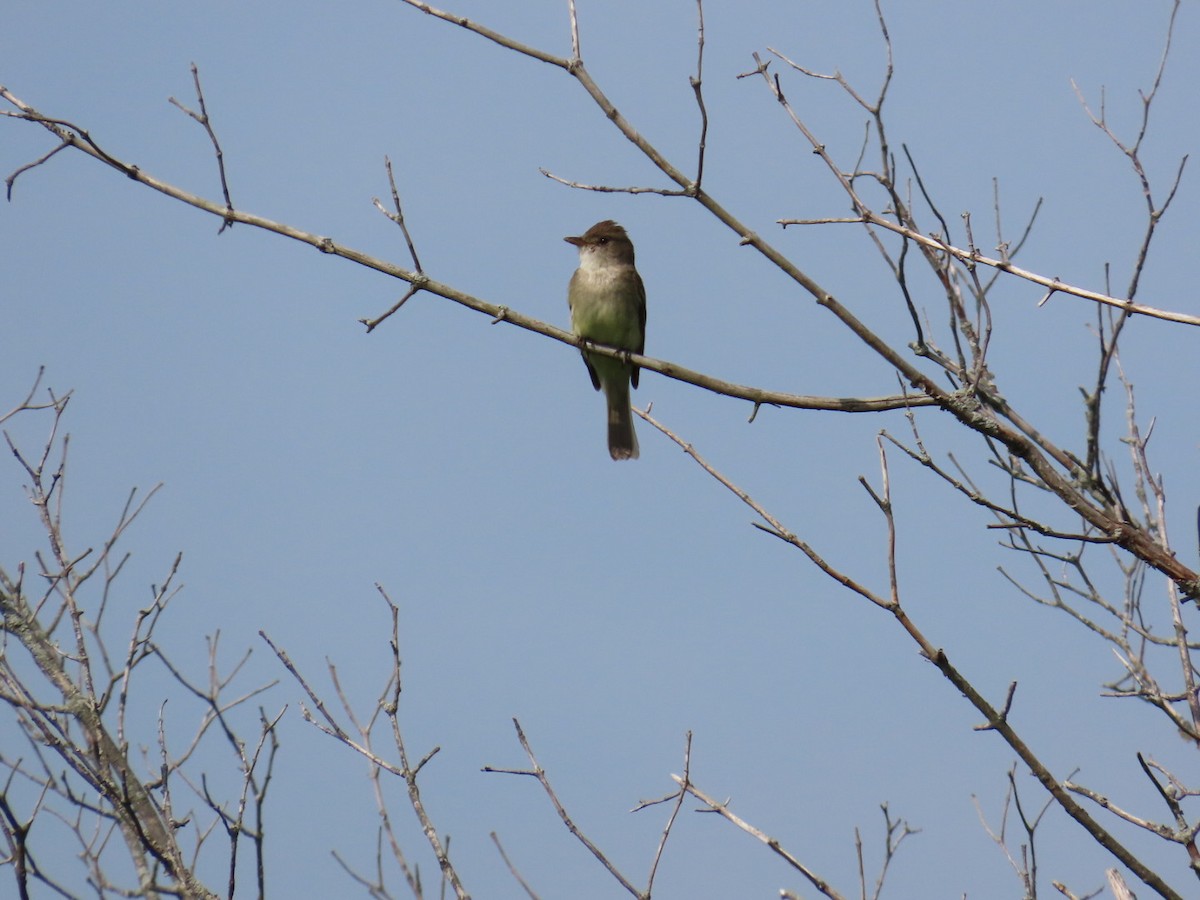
pixel 607 300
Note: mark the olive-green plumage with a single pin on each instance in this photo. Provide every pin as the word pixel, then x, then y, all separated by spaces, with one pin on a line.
pixel 608 306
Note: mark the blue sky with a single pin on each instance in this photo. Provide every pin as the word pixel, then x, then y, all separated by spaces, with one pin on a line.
pixel 462 465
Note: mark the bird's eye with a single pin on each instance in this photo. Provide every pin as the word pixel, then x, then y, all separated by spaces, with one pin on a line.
pixel 602 241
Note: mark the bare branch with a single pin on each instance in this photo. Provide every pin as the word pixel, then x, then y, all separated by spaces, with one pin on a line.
pixel 722 809
pixel 994 718
pixel 513 869
pixel 540 774
pixel 662 843
pixel 206 122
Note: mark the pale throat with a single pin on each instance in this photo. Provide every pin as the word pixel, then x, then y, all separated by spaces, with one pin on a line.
pixel 600 269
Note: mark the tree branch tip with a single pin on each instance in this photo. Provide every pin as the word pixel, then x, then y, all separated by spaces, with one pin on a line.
pixel 774 532
pixel 424 759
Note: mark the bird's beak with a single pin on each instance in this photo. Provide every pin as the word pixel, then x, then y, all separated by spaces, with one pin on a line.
pixel 577 241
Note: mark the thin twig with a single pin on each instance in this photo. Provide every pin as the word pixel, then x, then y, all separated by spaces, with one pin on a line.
pixel 206 122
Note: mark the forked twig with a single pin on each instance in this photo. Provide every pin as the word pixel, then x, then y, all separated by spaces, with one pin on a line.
pixel 206 122
pixel 540 774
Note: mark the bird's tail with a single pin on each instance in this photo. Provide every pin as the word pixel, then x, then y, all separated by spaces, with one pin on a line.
pixel 622 440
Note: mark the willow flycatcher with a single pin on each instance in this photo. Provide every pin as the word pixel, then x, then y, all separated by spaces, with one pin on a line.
pixel 608 306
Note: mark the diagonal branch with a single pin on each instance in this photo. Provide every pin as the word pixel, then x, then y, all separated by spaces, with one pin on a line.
pixel 996 720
